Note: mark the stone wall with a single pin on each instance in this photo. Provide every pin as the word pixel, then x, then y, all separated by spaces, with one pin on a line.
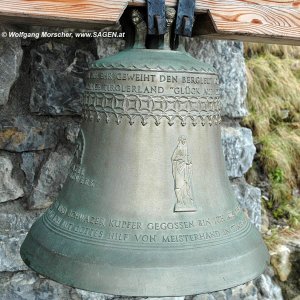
pixel 41 85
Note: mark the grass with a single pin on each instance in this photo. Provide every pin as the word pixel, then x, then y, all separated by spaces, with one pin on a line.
pixel 273 73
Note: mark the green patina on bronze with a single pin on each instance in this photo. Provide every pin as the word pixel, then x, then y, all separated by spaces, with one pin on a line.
pixel 147 209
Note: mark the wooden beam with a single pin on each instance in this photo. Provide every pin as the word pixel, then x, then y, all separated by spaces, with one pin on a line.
pixel 269 21
pixel 208 27
pixel 67 13
pixel 252 20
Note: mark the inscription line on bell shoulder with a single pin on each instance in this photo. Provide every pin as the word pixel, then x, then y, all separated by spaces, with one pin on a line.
pixel 152 75
pixel 153 90
pixel 145 77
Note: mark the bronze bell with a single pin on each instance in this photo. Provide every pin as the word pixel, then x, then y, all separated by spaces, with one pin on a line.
pixel 147 209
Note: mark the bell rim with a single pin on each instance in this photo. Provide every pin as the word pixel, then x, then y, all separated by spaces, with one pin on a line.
pixel 260 253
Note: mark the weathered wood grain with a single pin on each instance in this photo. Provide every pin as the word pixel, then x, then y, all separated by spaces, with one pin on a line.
pixel 267 20
pixel 68 11
pixel 251 20
pixel 235 12
pixel 211 3
pixel 277 3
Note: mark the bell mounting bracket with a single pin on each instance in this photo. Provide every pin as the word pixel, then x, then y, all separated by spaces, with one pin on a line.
pixel 156 17
pixel 185 17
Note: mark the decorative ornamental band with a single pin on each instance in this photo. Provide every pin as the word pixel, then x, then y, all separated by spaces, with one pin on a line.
pixel 205 69
pixel 114 107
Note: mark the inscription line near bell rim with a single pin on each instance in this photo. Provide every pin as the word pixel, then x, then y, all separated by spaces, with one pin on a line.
pixel 151 246
pixel 103 234
pixel 98 235
pixel 218 218
pixel 153 226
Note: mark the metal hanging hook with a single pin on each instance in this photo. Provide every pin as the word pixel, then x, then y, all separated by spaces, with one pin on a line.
pixel 185 17
pixel 156 17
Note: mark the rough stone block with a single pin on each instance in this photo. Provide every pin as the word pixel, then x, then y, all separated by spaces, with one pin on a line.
pixel 238 149
pixel 285 259
pixel 10 260
pixel 11 55
pixel 15 222
pixel 246 291
pixel 267 288
pixel 24 133
pixel 28 285
pixel 85 295
pixel 57 78
pixel 15 219
pixel 10 188
pixel 249 197
pixel 109 46
pixel 31 163
pixel 201 297
pixel 71 132
pixel 228 59
pixel 52 176
pixel 262 288
pixel 163 298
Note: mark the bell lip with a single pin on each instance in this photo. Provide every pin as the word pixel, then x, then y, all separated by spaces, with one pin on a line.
pixel 108 291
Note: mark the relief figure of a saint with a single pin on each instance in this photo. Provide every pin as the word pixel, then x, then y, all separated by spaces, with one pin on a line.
pixel 182 174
